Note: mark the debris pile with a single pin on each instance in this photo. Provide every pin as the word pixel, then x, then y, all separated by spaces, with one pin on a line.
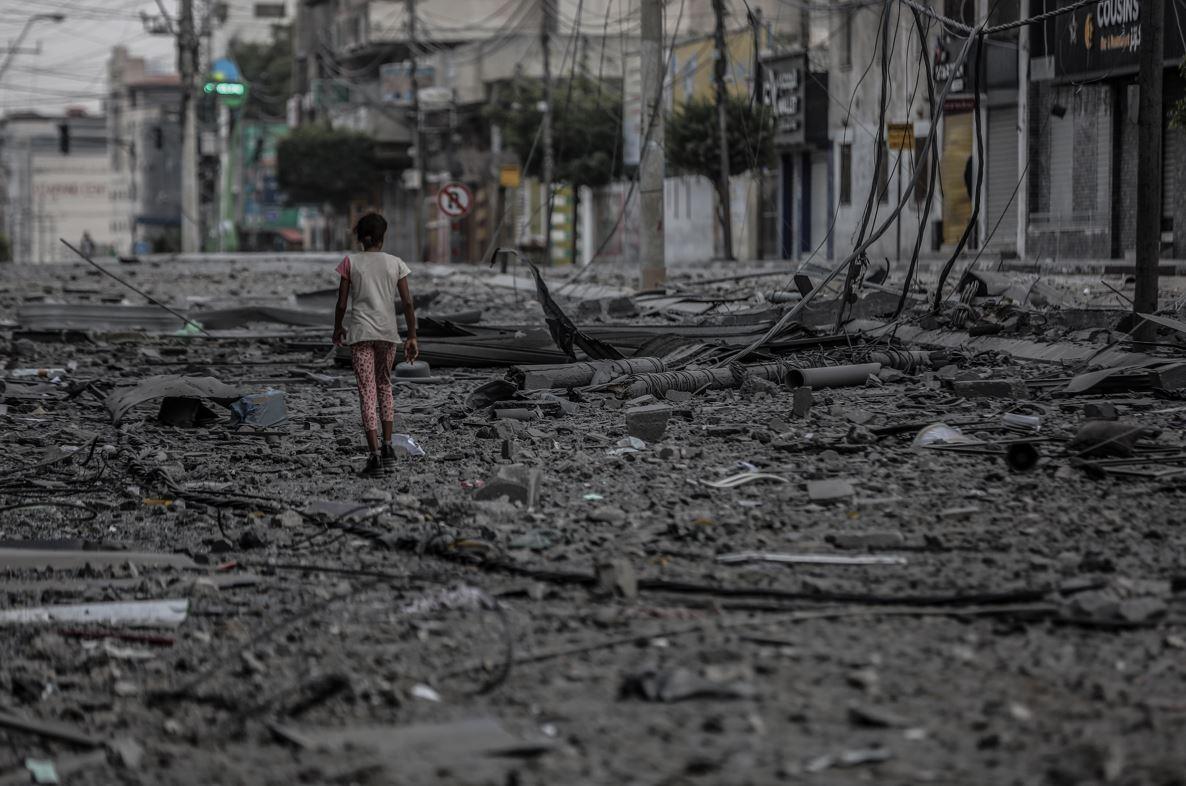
pixel 626 533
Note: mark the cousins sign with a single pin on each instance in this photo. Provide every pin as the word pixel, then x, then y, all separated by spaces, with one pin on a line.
pixel 1103 39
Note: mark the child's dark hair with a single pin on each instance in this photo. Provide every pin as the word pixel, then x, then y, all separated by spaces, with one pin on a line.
pixel 370 230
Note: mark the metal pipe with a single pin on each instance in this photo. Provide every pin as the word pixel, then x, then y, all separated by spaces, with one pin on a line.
pixel 832 376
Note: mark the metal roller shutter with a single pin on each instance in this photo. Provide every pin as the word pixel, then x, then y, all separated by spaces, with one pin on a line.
pixel 1001 179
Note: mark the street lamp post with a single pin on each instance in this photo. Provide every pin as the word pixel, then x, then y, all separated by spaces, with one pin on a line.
pixel 55 18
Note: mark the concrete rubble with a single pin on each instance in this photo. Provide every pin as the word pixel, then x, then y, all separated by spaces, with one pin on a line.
pixel 942 548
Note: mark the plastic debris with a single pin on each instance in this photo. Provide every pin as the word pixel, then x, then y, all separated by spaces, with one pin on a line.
pixel 942 434
pixel 627 445
pixel 741 479
pixel 260 409
pixel 407 444
pixel 168 613
pixel 42 771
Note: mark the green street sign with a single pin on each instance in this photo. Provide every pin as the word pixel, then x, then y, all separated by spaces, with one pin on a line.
pixel 233 94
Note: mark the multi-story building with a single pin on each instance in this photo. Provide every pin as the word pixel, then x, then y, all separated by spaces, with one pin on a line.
pixel 144 146
pixel 57 179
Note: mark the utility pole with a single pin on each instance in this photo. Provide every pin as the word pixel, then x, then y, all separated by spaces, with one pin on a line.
pixel 722 66
pixel 652 166
pixel 417 137
pixel 187 64
pixel 1023 125
pixel 1149 119
pixel 545 38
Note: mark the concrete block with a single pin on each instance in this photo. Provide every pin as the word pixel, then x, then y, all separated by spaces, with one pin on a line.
pixel 648 423
pixel 802 401
pixel 991 388
pixel 1100 411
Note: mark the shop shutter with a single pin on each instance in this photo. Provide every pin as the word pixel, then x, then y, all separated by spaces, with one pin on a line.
pixel 1001 179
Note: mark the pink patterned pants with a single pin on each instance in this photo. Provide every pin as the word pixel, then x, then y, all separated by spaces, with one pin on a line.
pixel 373 361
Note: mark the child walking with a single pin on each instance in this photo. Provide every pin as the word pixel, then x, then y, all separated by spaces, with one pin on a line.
pixel 369 286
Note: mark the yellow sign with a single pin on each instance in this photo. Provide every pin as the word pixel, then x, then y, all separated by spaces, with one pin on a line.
pixel 508 176
pixel 900 136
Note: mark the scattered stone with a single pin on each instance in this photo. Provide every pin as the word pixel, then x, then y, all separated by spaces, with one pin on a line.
pixel 875 717
pixel 678 396
pixel 509 450
pixel 617 577
pixel 287 519
pixel 608 515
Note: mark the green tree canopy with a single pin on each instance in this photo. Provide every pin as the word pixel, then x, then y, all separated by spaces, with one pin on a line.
pixel 692 138
pixel 586 127
pixel 318 164
pixel 267 69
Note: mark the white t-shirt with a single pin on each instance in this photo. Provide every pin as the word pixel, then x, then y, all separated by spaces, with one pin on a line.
pixel 374 290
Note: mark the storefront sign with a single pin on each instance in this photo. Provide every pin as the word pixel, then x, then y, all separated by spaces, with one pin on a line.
pixel 797 98
pixel 899 136
pixel 395 82
pixel 1104 38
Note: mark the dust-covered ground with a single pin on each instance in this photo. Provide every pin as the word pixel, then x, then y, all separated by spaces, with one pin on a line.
pixel 999 627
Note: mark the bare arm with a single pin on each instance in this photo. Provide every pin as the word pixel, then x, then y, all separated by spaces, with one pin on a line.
pixel 411 345
pixel 340 311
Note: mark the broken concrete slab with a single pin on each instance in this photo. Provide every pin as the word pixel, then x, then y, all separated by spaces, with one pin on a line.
pixel 648 423
pixel 830 490
pixel 171 385
pixel 169 613
pixel 516 482
pixel 37 559
pixel 990 388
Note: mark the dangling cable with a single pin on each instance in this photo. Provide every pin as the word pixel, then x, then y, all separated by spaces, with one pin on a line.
pixel 975 217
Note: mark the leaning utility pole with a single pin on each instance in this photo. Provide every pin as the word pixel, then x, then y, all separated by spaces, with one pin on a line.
pixel 1149 118
pixel 652 166
pixel 545 37
pixel 722 66
pixel 187 65
pixel 417 137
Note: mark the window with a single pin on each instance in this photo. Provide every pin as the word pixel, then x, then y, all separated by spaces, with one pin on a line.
pixel 883 174
pixel 846 173
pixel 846 43
pixel 269 11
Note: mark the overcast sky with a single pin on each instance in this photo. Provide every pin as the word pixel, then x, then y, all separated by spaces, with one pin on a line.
pixel 71 69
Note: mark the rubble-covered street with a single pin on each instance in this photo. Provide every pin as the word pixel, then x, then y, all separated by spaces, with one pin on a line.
pixel 927 550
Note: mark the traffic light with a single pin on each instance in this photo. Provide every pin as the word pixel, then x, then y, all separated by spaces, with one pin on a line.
pixel 64 138
pixel 158 137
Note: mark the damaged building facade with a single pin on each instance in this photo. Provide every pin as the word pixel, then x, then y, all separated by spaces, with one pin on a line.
pixel 1083 141
pixel 57 184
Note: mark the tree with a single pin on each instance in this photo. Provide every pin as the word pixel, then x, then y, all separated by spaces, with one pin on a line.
pixel 586 128
pixel 267 69
pixel 320 165
pixel 692 134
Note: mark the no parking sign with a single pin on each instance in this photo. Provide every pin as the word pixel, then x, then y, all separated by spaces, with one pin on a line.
pixel 455 200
